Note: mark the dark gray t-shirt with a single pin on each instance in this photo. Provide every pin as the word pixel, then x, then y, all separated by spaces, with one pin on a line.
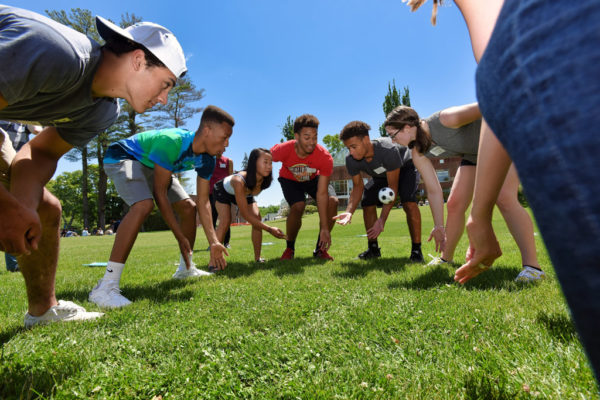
pixel 450 142
pixel 47 72
pixel 387 156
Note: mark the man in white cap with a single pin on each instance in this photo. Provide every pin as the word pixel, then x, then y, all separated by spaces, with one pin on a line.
pixel 56 77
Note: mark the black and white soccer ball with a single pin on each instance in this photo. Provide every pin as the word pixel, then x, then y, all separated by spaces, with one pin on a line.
pixel 386 195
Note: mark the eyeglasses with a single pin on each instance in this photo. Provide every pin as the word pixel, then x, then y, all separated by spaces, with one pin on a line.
pixel 393 135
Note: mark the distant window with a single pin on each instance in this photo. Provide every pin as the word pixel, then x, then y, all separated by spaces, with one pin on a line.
pixel 341 187
pixel 443 175
pixel 442 161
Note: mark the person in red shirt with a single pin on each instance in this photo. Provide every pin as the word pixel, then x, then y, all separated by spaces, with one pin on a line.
pixel 306 169
pixel 223 168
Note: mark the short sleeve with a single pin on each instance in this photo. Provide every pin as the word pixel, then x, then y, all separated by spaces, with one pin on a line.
pixel 352 166
pixel 165 150
pixel 278 152
pixel 326 164
pixel 205 170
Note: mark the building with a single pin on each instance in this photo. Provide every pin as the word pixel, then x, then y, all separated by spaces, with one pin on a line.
pixel 342 182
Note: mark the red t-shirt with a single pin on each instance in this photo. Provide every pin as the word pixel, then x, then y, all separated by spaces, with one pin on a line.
pixel 319 162
pixel 221 171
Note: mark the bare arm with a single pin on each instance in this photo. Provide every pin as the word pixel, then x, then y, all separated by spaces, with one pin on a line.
pixel 35 164
pixel 205 212
pixel 240 198
pixel 162 179
pixel 480 17
pixel 435 197
pixel 457 116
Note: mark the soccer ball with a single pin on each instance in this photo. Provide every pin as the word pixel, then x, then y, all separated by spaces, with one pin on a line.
pixel 386 195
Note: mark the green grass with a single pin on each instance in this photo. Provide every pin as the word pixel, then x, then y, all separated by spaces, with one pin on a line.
pixel 299 329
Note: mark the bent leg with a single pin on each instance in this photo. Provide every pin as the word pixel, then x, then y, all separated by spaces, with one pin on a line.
pixel 413 219
pixel 39 268
pixel 186 210
pixel 517 218
pixel 460 197
pixel 224 212
pixel 256 232
pixel 294 220
pixel 128 230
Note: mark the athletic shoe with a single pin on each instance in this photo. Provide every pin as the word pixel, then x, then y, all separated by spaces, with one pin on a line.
pixel 107 294
pixel 64 311
pixel 212 269
pixel 435 261
pixel 288 254
pixel 260 260
pixel 227 245
pixel 190 273
pixel 374 252
pixel 416 256
pixel 322 254
pixel 529 274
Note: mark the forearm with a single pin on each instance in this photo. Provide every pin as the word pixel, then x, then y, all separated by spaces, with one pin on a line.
pixel 30 171
pixel 252 219
pixel 436 204
pixel 205 213
pixel 167 212
pixel 493 163
pixel 385 212
pixel 322 200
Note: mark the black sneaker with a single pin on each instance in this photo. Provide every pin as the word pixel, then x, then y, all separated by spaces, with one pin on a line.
pixel 374 252
pixel 416 256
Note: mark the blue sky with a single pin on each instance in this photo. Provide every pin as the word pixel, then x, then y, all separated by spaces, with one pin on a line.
pixel 262 60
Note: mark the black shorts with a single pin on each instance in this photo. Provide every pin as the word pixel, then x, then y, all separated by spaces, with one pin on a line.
pixel 408 181
pixel 221 195
pixel 295 191
pixel 467 162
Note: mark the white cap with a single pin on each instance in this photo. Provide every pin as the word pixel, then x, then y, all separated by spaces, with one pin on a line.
pixel 157 39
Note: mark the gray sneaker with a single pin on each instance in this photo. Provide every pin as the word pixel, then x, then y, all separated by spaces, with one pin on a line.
pixel 64 311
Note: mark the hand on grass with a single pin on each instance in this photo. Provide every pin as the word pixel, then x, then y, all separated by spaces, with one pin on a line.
pixel 483 250
pixel 439 234
pixel 376 229
pixel 217 255
pixel 344 218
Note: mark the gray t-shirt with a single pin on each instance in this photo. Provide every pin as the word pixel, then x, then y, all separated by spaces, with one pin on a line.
pixel 450 142
pixel 387 156
pixel 47 73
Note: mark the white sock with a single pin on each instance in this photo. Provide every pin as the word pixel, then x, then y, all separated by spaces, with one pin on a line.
pixel 113 272
pixel 182 263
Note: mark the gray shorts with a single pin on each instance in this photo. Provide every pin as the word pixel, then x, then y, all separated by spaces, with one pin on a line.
pixel 7 154
pixel 135 182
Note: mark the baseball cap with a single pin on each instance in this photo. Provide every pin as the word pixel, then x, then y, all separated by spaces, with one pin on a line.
pixel 157 39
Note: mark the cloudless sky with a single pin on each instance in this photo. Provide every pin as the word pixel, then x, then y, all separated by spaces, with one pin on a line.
pixel 262 60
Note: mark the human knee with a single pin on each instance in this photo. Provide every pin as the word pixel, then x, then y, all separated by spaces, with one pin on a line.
pixel 456 205
pixel 297 207
pixel 507 202
pixel 143 207
pixel 50 210
pixel 186 207
pixel 333 202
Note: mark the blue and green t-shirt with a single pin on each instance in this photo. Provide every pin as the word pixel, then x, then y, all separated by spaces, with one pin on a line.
pixel 169 148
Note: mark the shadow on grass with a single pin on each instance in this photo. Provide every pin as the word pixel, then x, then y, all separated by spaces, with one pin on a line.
pixel 482 386
pixel 433 277
pixel 160 292
pixel 26 381
pixel 280 267
pixel 8 334
pixel 496 278
pixel 360 268
pixel 558 325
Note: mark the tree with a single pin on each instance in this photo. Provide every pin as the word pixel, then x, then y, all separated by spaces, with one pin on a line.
pixel 179 106
pixel 287 130
pixel 245 161
pixel 393 100
pixel 333 144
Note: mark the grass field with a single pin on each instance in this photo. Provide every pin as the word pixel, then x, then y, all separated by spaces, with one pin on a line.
pixel 301 329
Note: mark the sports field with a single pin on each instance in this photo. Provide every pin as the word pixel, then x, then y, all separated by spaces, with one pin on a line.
pixel 300 329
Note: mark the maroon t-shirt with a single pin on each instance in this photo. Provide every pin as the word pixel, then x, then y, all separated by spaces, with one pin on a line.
pixel 220 172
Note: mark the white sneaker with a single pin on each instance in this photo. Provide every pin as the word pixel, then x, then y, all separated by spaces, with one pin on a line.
pixel 64 311
pixel 435 261
pixel 107 294
pixel 529 274
pixel 190 273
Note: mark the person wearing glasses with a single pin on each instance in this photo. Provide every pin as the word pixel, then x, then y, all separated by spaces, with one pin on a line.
pixel 454 132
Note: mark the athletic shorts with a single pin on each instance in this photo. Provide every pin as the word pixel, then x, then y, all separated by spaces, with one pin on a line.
pixel 135 182
pixel 467 163
pixel 7 154
pixel 408 181
pixel 221 195
pixel 295 191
